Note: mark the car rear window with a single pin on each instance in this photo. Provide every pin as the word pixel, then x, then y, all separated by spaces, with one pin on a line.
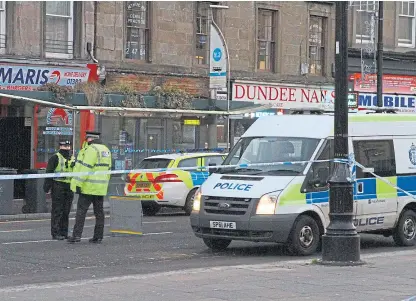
pixel 154 163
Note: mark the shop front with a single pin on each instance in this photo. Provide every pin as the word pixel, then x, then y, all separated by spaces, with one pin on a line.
pixel 30 132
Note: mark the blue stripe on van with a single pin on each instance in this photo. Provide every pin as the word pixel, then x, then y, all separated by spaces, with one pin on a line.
pixel 317 197
pixel 370 189
pixel 407 183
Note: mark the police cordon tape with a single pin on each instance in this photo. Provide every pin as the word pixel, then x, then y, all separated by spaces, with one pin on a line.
pixel 385 180
pixel 126 171
pixel 242 166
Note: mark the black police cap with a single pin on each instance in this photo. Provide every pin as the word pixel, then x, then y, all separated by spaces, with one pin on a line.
pixel 92 134
pixel 65 143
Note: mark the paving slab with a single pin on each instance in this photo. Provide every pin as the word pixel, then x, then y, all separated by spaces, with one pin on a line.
pixel 290 280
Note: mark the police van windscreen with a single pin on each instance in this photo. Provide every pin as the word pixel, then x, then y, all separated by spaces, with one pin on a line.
pixel 154 163
pixel 269 150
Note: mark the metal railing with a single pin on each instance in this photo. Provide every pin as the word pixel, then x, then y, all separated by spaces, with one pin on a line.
pixel 3 41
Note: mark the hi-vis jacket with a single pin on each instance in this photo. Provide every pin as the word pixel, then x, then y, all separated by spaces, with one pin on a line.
pixel 92 158
pixel 62 167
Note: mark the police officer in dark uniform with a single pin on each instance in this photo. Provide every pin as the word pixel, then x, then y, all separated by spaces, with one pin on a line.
pixel 60 189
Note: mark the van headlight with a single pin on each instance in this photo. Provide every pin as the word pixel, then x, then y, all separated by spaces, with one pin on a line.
pixel 197 201
pixel 267 204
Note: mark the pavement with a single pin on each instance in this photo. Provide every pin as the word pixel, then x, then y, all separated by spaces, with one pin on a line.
pixel 169 263
pixel 291 280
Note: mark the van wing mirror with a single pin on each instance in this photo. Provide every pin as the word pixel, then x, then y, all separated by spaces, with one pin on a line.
pixel 320 177
pixel 212 169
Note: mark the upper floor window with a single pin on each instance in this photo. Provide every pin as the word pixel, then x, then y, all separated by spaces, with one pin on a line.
pixel 317 41
pixel 202 32
pixel 2 26
pixel 59 29
pixel 407 25
pixel 366 21
pixel 137 29
pixel 266 42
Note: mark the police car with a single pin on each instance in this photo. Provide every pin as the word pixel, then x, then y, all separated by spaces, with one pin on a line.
pixel 174 188
pixel 289 203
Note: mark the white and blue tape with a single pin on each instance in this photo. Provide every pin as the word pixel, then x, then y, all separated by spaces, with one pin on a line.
pixel 126 171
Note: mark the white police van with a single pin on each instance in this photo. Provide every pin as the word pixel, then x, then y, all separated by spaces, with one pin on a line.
pixel 289 203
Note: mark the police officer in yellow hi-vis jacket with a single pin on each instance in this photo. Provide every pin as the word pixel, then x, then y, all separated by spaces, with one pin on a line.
pixel 61 193
pixel 93 157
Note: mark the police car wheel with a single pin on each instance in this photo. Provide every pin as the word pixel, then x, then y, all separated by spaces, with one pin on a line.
pixel 405 232
pixel 189 201
pixel 217 244
pixel 304 238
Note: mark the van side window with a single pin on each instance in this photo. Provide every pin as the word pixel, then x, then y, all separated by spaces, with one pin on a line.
pixel 377 154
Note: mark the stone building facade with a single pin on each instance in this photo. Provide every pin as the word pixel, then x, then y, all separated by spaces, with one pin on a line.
pixel 280 52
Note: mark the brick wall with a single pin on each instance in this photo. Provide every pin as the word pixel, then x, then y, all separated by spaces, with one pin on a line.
pixel 144 83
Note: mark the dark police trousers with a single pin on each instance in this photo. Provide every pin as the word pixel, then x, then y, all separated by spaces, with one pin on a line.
pixel 62 197
pixel 84 202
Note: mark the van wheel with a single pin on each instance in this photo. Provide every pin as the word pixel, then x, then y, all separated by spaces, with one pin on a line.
pixel 150 210
pixel 405 232
pixel 217 244
pixel 304 239
pixel 189 203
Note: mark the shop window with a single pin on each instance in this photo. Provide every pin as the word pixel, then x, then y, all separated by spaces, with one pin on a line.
pixel 59 29
pixel 137 30
pixel 53 124
pixel 377 154
pixel 317 42
pixel 266 40
pixel 118 133
pixel 365 21
pixel 183 136
pixel 407 25
pixel 2 26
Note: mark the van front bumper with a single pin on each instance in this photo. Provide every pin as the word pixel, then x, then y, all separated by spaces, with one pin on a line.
pixel 257 228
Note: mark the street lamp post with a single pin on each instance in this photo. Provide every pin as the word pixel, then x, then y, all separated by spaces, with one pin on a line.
pixel 341 243
pixel 228 69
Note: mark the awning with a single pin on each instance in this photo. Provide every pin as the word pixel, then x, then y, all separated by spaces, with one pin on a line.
pixel 139 112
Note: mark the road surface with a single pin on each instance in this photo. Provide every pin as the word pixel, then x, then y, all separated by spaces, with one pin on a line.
pixel 29 256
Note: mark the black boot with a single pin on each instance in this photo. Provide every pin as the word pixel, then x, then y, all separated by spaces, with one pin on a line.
pixel 58 237
pixel 95 240
pixel 73 239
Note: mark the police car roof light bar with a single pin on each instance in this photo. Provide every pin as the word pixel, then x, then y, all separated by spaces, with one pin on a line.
pixel 202 150
pixel 307 111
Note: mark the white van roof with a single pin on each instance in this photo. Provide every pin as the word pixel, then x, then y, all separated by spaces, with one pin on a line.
pixel 322 126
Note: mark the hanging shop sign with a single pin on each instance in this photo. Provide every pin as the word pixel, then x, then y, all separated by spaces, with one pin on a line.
pixel 392 84
pixel 30 77
pixel 282 95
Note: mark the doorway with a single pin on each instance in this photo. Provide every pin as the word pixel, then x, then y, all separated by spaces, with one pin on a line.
pixel 15 148
pixel 154 141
